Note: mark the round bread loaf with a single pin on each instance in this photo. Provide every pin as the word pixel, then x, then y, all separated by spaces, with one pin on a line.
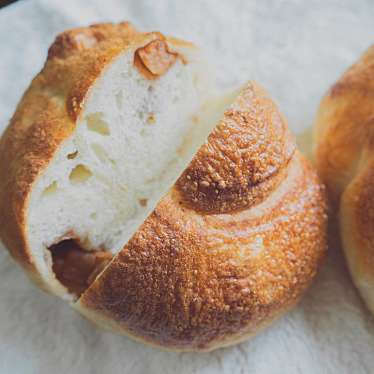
pixel 345 160
pixel 120 193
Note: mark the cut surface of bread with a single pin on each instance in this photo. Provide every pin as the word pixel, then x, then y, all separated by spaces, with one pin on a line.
pixel 108 177
pixel 157 209
pixel 101 134
pixel 133 138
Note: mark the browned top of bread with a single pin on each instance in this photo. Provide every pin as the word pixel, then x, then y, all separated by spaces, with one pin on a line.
pixel 188 280
pixel 344 125
pixel 242 162
pixel 232 245
pixel 345 161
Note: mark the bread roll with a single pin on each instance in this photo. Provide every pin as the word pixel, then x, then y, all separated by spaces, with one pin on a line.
pixel 345 160
pixel 122 195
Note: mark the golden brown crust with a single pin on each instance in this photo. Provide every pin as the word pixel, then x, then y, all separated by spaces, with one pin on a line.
pixel 361 199
pixel 25 149
pixel 243 159
pixel 74 41
pixel 345 161
pixel 47 115
pixel 344 125
pixel 356 225
pixel 192 281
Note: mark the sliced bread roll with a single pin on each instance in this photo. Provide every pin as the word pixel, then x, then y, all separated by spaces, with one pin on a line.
pixel 101 134
pixel 123 195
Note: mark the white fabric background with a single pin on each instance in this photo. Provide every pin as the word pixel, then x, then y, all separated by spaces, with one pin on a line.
pixel 296 49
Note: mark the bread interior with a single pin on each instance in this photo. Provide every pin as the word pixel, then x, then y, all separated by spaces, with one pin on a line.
pixel 132 141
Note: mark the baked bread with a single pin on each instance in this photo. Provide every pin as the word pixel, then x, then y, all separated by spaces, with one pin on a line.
pixel 345 160
pixel 120 194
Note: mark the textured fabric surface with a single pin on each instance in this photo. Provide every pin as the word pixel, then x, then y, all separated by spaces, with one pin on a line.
pixel 295 49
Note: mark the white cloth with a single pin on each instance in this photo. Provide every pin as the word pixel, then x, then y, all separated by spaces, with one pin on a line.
pixel 295 49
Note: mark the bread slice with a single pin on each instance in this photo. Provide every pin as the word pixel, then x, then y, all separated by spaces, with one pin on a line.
pixel 104 142
pixel 159 211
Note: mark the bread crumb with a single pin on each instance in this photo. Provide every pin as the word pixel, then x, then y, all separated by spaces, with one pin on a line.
pixel 143 202
pixel 151 118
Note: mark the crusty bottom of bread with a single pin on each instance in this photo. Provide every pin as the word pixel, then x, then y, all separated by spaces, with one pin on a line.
pixel 107 324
